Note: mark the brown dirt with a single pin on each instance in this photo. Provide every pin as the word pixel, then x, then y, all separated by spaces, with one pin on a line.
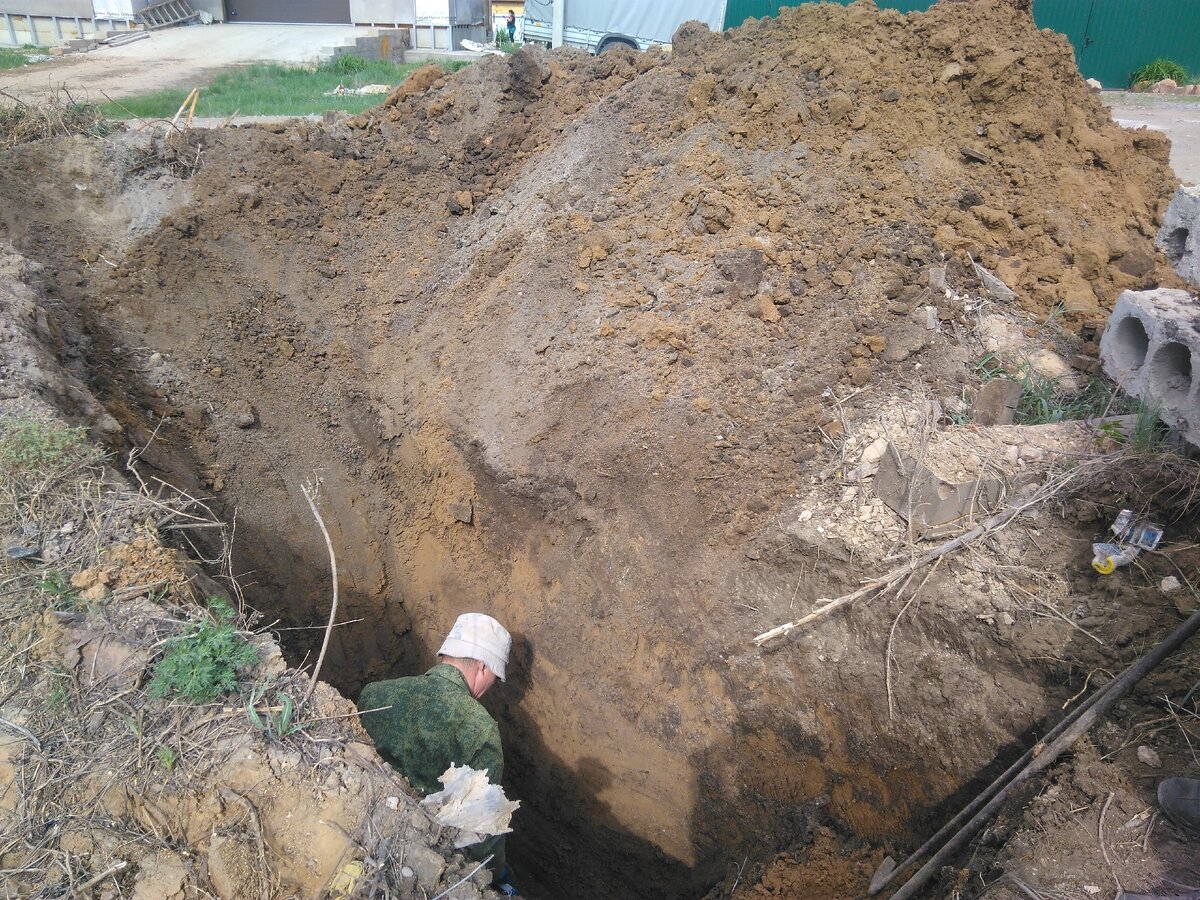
pixel 566 338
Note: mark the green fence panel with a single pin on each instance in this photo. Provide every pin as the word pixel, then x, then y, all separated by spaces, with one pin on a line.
pixel 1120 35
pixel 1111 37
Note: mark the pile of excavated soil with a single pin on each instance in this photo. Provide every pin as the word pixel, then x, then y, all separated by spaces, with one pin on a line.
pixel 571 339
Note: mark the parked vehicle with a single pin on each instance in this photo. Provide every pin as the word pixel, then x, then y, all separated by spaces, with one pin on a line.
pixel 599 25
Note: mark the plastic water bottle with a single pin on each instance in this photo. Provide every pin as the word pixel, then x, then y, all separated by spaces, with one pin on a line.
pixel 1107 558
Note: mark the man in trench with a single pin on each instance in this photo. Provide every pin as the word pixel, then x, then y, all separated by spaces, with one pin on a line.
pixel 436 719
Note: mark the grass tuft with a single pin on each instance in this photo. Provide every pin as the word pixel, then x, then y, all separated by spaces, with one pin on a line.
pixel 1157 70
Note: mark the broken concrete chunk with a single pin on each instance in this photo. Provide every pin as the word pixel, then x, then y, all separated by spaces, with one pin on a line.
pixel 1094 86
pixel 996 403
pixel 993 286
pixel 920 496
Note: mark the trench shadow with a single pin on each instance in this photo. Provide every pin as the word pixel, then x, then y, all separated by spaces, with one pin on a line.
pixel 566 842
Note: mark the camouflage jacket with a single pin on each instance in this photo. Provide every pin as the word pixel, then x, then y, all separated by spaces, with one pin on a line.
pixel 433 722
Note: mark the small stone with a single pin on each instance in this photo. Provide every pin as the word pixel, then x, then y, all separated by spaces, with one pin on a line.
pixel 937 278
pixel 606 330
pixel 842 278
pixel 244 415
pixel 891 95
pixel 463 511
pixel 876 343
pixel 974 155
pixel 1166 86
pixel 997 402
pixel 1149 757
pixel 426 864
pixel 1094 86
pixel 1170 585
pixel 216 371
pixel 156 359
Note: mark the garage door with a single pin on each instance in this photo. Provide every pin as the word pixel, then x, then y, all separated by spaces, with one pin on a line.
pixel 335 12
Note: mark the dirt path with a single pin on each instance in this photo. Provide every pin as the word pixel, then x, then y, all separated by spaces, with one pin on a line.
pixel 176 57
pixel 1179 117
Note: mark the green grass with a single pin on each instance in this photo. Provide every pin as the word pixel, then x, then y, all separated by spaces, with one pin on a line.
pixel 273 90
pixel 1158 70
pixel 16 57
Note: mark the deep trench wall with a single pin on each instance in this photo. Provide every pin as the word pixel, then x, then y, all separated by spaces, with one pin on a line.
pixel 614 496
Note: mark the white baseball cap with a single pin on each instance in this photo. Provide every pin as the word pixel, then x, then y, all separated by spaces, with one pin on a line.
pixel 476 636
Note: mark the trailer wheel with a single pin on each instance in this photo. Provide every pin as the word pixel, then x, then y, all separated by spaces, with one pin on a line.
pixel 610 43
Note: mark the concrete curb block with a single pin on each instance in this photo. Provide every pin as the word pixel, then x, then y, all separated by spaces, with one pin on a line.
pixel 1152 349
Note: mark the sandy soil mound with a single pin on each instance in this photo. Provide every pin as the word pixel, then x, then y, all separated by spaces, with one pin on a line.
pixel 594 343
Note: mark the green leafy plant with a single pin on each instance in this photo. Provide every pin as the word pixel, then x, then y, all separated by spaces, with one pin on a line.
pixel 1157 70
pixel 28 445
pixel 203 663
pixel 276 723
pixel 62 595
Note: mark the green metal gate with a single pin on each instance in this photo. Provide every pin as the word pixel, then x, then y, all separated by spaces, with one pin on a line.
pixel 1111 37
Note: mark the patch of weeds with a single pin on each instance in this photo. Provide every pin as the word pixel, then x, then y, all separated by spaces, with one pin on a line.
pixel 59 116
pixel 278 721
pixel 17 58
pixel 453 65
pixel 202 664
pixel 1043 401
pixel 27 445
pixel 1157 70
pixel 62 595
pixel 1147 434
pixel 345 65
pixel 165 756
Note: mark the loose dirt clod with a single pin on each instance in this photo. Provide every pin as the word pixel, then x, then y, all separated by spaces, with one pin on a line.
pixel 602 345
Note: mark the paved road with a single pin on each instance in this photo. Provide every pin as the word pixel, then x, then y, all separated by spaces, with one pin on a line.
pixel 1179 117
pixel 174 57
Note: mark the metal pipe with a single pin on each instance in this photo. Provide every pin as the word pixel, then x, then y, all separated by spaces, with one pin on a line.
pixel 1110 694
pixel 991 789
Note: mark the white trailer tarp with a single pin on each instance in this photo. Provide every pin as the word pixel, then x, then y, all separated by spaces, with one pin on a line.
pixel 636 18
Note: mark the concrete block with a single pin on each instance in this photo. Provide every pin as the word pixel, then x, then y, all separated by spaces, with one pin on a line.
pixel 1179 237
pixel 1151 348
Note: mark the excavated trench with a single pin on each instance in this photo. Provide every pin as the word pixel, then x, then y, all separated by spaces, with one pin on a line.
pixel 558 355
pixel 653 750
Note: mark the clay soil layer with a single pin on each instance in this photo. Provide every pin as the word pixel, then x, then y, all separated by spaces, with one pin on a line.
pixel 560 335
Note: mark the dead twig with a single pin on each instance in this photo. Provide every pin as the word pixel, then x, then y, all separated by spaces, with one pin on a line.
pixel 1104 844
pixel 334 605
pixel 888 581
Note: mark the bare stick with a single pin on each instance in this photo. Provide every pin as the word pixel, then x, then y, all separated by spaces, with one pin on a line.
pixel 995 523
pixel 464 880
pixel 1104 844
pixel 83 888
pixel 334 606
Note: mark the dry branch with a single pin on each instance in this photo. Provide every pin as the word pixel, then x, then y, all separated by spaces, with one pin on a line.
pixel 891 579
pixel 333 608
